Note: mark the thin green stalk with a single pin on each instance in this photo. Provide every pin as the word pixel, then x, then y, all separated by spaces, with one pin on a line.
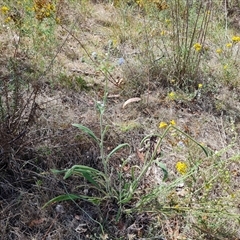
pixel 192 139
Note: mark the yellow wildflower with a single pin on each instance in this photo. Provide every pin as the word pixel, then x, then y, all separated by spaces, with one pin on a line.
pixel 219 51
pixel 162 125
pixel 236 39
pixel 181 167
pixel 167 20
pixel 229 45
pixel 47 13
pixel 200 85
pixel 48 6
pixel 197 47
pixel 58 21
pixel 163 33
pixel 172 122
pixel 172 95
pixel 140 3
pixel 208 186
pixel 8 19
pixel 4 9
pixel 232 195
pixel 225 67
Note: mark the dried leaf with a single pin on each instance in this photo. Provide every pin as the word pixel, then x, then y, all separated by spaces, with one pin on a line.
pixel 81 228
pixel 131 100
pixel 140 155
pixel 77 217
pixel 126 168
pixel 113 96
pixel 36 222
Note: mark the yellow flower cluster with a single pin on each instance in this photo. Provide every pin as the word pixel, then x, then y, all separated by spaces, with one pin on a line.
pixel 4 9
pixel 164 124
pixel 219 51
pixel 43 9
pixel 198 47
pixel 181 167
pixel 11 15
pixel 236 39
pixel 160 4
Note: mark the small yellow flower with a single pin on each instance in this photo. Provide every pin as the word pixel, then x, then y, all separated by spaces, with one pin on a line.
pixel 181 167
pixel 163 33
pixel 4 9
pixel 219 51
pixel 197 47
pixel 208 186
pixel 233 195
pixel 229 45
pixel 167 21
pixel 48 6
pixel 140 3
pixel 225 67
pixel 200 85
pixel 8 19
pixel 236 39
pixel 172 95
pixel 58 21
pixel 47 13
pixel 162 125
pixel 29 9
pixel 172 122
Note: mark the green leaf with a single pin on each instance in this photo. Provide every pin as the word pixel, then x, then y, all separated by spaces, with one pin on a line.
pixel 90 179
pixel 192 139
pixel 89 173
pixel 116 149
pixel 82 168
pixel 69 173
pixel 164 169
pixel 67 197
pixel 87 131
pixel 55 171
pixel 62 198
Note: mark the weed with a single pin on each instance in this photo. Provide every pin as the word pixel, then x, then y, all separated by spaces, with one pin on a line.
pixel 189 27
pixel 163 198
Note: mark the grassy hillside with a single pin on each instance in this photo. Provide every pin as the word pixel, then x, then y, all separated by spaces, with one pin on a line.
pixel 119 119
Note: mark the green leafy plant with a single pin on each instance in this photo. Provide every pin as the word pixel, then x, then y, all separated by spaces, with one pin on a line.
pixel 102 180
pixel 20 81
